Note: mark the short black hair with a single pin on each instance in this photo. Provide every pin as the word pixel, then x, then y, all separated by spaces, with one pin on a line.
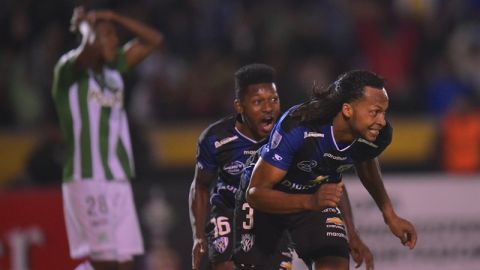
pixel 326 103
pixel 252 74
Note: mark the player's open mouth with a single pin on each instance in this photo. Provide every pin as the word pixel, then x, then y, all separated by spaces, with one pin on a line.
pixel 373 132
pixel 266 124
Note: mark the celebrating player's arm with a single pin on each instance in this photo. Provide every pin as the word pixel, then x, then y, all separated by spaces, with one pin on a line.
pixel 261 195
pixel 359 251
pixel 369 173
pixel 146 38
pixel 198 205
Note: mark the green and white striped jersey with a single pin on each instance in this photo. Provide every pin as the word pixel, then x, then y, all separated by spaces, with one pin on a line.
pixel 93 120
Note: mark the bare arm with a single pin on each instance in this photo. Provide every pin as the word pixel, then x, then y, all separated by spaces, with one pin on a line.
pixel 261 195
pixel 82 24
pixel 360 252
pixel 369 173
pixel 198 207
pixel 147 39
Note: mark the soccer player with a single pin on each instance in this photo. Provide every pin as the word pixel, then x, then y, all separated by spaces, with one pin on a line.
pixel 223 149
pixel 88 91
pixel 296 185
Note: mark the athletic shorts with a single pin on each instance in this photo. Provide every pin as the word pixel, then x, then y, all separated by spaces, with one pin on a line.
pixel 313 234
pixel 219 232
pixel 100 218
pixel 247 237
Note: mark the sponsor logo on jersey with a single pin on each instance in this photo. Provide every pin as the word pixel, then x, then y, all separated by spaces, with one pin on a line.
pixel 234 167
pixel 276 139
pixel 249 152
pixel 230 188
pixel 307 165
pixel 247 242
pixel 344 167
pixel 220 244
pixel 225 141
pixel 295 186
pixel 362 140
pixel 334 220
pixel 312 135
pixel 336 234
pixel 319 179
pixel 107 100
pixel 277 157
pixel 334 157
pixel 331 210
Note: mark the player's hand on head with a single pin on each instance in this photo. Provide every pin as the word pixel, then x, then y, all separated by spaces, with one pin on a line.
pixel 360 252
pixel 404 230
pixel 328 195
pixel 199 249
pixel 103 14
pixel 79 14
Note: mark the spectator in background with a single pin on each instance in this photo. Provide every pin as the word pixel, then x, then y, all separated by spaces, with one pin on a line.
pixel 88 91
pixel 460 137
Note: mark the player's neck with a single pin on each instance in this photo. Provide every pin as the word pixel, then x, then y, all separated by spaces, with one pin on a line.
pixel 246 131
pixel 341 130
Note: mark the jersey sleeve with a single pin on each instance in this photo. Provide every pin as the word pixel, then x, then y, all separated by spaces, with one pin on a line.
pixel 206 153
pixel 365 150
pixel 64 73
pixel 282 145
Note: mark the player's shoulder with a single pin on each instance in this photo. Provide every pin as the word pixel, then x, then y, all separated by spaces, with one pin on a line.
pixel 222 128
pixel 66 60
pixel 68 57
pixel 288 122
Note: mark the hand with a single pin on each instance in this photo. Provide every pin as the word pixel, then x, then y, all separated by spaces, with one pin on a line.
pixel 328 195
pixel 360 252
pixel 96 15
pixel 404 230
pixel 199 249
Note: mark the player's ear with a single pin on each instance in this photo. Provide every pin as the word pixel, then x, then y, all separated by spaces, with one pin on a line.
pixel 238 106
pixel 347 110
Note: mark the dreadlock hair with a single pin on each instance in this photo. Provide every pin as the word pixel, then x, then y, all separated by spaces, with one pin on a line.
pixel 252 74
pixel 326 103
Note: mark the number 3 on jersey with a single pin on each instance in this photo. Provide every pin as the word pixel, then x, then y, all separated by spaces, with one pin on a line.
pixel 248 223
pixel 222 226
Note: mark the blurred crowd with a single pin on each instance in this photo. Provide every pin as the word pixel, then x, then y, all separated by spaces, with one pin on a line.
pixel 428 51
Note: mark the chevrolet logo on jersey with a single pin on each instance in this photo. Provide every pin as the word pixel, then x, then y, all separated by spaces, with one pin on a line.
pixel 319 179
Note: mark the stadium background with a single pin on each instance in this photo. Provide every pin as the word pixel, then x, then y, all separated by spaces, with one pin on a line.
pixel 428 51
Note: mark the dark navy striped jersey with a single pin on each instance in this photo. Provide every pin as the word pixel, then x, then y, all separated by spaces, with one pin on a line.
pixel 311 156
pixel 223 149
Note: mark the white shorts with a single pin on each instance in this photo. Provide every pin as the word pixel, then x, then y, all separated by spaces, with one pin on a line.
pixel 100 218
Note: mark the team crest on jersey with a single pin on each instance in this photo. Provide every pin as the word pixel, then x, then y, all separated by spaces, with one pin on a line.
pixel 307 165
pixel 234 167
pixel 276 139
pixel 221 244
pixel 247 242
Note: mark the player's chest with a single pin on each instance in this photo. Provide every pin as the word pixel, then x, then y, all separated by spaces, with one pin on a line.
pixel 105 89
pixel 232 158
